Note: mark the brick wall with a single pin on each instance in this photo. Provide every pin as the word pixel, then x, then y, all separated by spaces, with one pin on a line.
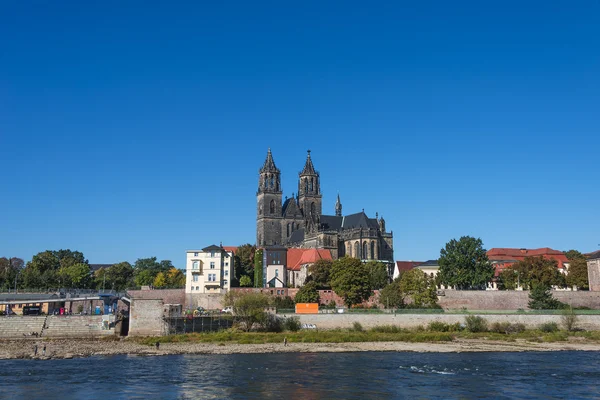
pixel 146 317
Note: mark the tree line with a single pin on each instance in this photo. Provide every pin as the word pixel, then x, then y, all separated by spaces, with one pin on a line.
pixel 52 269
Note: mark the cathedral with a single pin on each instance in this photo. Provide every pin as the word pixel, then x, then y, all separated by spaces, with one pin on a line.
pixel 299 221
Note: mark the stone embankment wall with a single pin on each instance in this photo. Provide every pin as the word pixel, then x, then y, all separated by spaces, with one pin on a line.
pixel 511 299
pixel 341 321
pixel 168 296
pixel 146 317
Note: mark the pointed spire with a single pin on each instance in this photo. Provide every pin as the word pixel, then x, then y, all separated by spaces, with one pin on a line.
pixel 338 206
pixel 269 165
pixel 309 168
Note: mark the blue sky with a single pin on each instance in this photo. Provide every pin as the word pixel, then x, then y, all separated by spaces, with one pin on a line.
pixel 119 122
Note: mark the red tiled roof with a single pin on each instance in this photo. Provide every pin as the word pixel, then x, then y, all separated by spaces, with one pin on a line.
pixel 507 254
pixel 407 265
pixel 298 257
pixel 233 249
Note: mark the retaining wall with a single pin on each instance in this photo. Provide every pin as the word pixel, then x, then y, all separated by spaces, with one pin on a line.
pixel 333 321
pixel 511 299
pixel 146 317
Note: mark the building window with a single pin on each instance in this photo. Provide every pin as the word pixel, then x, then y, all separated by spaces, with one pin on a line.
pixel 356 250
pixel 227 264
pixel 195 278
pixel 195 254
pixel 276 273
pixel 192 288
pixel 365 252
pixel 372 250
pixel 196 265
pixel 288 230
pixel 197 287
pixel 225 282
pixel 212 265
pixel 226 272
pixel 212 254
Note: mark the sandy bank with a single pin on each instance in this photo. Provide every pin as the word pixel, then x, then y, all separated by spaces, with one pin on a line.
pixel 85 348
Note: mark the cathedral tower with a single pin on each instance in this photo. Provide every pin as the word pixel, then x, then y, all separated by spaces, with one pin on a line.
pixel 338 207
pixel 309 191
pixel 268 203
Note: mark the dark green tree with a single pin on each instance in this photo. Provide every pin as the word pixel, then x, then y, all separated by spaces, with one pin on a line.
pixel 378 274
pixel 507 279
pixel 258 268
pixel 119 276
pixel 10 268
pixel 391 296
pixel 464 264
pixel 75 275
pixel 146 269
pixel 244 260
pixel 41 271
pixel 320 273
pixel 534 271
pixel 350 280
pixel 540 298
pixel 307 294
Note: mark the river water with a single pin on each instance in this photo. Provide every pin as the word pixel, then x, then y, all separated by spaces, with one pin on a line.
pixel 572 375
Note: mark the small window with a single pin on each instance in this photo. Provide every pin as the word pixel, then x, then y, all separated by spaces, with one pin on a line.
pixel 212 265
pixel 195 278
pixel 195 254
pixel 212 254
pixel 196 265
pixel 197 287
pixel 225 282
pixel 226 272
pixel 192 288
pixel 276 272
pixel 227 264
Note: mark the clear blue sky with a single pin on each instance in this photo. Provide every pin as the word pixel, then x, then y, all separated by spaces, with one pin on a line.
pixel 136 129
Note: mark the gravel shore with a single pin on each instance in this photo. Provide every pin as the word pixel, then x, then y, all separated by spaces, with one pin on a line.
pixel 63 348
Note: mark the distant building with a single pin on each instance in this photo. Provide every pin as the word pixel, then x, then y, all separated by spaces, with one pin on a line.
pixel 593 264
pixel 298 221
pixel 403 266
pixel 299 260
pixel 209 270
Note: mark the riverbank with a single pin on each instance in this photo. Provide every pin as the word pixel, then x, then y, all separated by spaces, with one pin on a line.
pixel 72 348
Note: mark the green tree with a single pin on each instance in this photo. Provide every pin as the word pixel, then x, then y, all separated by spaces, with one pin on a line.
pixel 244 260
pixel 350 280
pixel 540 298
pixel 464 264
pixel 245 281
pixel 507 279
pixel 146 269
pixel 41 271
pixel 420 287
pixel 75 275
pixel 258 268
pixel 534 271
pixel 10 268
pixel 119 276
pixel 378 274
pixel 391 296
pixel 577 273
pixel 307 294
pixel 143 277
pixel 248 308
pixel 160 280
pixel 320 272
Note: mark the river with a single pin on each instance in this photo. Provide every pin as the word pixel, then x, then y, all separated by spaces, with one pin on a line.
pixel 568 374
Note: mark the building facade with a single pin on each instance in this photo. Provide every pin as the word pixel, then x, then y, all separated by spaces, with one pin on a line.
pixel 209 270
pixel 299 221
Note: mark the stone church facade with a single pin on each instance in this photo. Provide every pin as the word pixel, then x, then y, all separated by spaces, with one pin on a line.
pixel 299 221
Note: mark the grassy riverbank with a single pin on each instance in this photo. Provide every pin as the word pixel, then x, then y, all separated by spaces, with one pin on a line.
pixel 378 334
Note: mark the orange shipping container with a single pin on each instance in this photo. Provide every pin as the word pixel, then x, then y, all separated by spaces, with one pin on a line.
pixel 307 308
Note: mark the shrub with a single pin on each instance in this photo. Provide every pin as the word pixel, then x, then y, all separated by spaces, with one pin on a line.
pixel 357 327
pixel 475 324
pixel 507 327
pixel 549 327
pixel 292 324
pixel 283 302
pixel 271 323
pixel 569 319
pixel 438 326
pixel 387 329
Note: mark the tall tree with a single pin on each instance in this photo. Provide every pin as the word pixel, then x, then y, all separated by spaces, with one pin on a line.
pixel 244 260
pixel 420 287
pixel 258 268
pixel 378 274
pixel 41 271
pixel 146 269
pixel 159 281
pixel 350 280
pixel 10 268
pixel 120 276
pixel 577 274
pixel 307 294
pixel 175 278
pixel 464 264
pixel 320 272
pixel 75 275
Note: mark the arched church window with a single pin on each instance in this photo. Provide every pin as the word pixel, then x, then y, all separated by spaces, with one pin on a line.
pixel 311 184
pixel 372 250
pixel 272 182
pixel 356 252
pixel 260 209
pixel 272 207
pixel 265 182
pixel 365 252
pixel 288 230
pixel 305 185
pixel 349 246
pixel 313 208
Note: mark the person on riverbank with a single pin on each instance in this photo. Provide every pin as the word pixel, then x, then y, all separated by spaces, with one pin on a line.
pixel 157 345
pixel 285 341
pixel 35 348
pixel 44 351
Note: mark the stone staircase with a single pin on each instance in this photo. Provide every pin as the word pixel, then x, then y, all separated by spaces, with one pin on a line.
pixel 75 326
pixel 21 327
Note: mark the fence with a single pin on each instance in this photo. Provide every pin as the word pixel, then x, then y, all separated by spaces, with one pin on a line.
pixel 189 324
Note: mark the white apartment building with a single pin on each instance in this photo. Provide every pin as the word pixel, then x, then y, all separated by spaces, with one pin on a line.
pixel 209 270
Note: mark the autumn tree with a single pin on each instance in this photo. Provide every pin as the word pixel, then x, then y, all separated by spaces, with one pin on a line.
pixel 535 271
pixel 175 278
pixel 350 280
pixel 464 264
pixel 578 271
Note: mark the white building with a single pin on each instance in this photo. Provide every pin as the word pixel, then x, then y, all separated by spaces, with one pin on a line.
pixel 209 270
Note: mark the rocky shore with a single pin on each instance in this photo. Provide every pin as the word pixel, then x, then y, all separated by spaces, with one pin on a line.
pixel 64 349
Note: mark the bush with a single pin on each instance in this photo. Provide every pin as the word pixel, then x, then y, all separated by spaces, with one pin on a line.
pixel 549 327
pixel 387 329
pixel 569 319
pixel 292 324
pixel 438 326
pixel 271 323
pixel 506 327
pixel 475 324
pixel 357 327
pixel 284 303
